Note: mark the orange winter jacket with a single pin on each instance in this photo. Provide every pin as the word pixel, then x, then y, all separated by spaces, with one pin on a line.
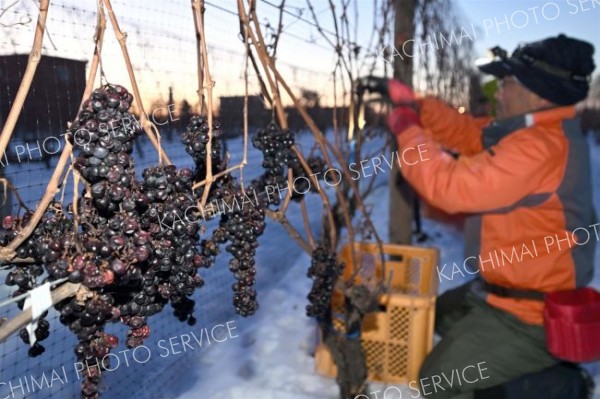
pixel 526 187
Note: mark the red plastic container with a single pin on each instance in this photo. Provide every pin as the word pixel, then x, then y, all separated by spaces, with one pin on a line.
pixel 572 323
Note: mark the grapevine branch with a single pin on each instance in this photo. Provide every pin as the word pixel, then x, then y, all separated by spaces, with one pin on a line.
pixel 8 253
pixel 269 67
pixel 24 261
pixel 8 186
pixel 216 176
pixel 292 232
pixel 66 290
pixel 34 59
pixel 321 139
pixel 205 78
pixel 197 14
pixel 288 197
pixel 98 41
pixel 247 53
pixel 279 28
pixel 62 185
pixel 122 39
pixel 265 60
pixel 261 82
pixel 309 233
pixel 336 129
pixel 247 32
pixel 279 216
pixel 76 178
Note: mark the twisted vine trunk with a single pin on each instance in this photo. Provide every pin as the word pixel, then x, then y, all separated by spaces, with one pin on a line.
pixel 347 353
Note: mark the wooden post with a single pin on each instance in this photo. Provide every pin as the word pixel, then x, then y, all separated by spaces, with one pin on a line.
pixel 402 196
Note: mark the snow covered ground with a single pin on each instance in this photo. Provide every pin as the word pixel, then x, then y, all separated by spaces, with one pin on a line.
pixel 272 358
pixel 267 356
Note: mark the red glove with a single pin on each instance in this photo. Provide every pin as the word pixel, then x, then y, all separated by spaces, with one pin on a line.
pixel 401 118
pixel 400 94
pixel 405 114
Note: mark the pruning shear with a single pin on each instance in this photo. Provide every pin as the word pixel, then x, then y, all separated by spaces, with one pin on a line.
pixel 371 84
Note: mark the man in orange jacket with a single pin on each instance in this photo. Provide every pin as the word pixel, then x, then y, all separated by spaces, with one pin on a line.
pixel 524 181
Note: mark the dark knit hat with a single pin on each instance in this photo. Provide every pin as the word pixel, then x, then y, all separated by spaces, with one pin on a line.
pixel 558 68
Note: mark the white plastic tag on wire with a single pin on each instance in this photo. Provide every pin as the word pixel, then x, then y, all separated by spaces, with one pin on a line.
pixel 39 300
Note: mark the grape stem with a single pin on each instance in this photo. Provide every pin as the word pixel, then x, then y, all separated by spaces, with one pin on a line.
pixel 7 185
pixel 309 233
pixel 226 171
pixel 292 232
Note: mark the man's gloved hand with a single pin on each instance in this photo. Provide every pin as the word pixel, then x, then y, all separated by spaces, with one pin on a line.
pixel 401 94
pixel 373 84
pixel 392 90
pixel 406 111
pixel 401 118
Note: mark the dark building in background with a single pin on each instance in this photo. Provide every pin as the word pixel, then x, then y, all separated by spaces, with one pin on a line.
pixel 231 114
pixel 53 98
pixel 52 101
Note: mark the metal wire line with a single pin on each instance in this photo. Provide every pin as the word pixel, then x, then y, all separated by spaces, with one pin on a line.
pixel 313 42
pixel 299 17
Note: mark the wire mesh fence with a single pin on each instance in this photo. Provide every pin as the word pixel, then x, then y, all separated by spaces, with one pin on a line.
pixel 162 46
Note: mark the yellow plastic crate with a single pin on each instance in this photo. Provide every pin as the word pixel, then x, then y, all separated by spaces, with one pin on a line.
pixel 397 339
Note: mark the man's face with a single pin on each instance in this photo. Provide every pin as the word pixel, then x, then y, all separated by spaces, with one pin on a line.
pixel 512 99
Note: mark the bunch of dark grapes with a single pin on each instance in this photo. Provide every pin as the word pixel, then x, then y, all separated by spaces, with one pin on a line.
pixel 40 247
pixel 302 181
pixel 92 353
pixel 242 222
pixel 276 147
pixel 53 225
pixel 87 320
pixel 104 132
pixel 135 249
pixel 135 245
pixel 41 332
pixel 324 270
pixel 170 217
pixel 195 138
